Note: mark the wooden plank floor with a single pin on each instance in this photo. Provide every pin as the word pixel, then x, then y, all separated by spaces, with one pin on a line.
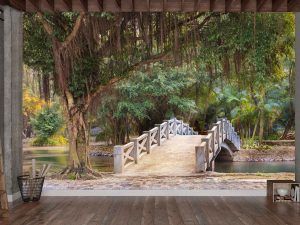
pixel 154 210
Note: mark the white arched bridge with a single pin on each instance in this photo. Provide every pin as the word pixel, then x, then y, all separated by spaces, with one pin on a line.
pixel 174 148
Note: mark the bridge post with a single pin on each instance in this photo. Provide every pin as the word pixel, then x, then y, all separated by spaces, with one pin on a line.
pixel 200 164
pixel 227 129
pixel 118 159
pixel 224 129
pixel 135 150
pixel 175 126
pixel 211 166
pixel 221 129
pixel 148 142
pixel 209 163
pixel 168 129
pixel 181 125
pixel 206 147
pixel 218 134
pixel 158 134
pixel 213 141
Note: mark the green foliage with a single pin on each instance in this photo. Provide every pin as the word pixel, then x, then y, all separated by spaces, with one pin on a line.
pixel 55 140
pixel 47 122
pixel 254 144
pixel 149 97
pixel 156 91
pixel 242 67
pixel 37 46
pixel 71 176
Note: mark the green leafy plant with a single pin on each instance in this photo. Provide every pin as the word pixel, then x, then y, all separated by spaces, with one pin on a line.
pixel 47 122
pixel 48 125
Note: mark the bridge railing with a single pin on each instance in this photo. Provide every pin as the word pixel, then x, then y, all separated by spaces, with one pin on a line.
pixel 211 144
pixel 125 155
pixel 152 138
pixel 140 147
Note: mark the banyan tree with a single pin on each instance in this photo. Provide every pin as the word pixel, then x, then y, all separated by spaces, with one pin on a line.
pixel 93 51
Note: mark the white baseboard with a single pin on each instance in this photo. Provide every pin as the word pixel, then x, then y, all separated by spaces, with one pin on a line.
pixel 154 193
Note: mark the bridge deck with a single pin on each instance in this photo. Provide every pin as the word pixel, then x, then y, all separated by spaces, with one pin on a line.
pixel 175 156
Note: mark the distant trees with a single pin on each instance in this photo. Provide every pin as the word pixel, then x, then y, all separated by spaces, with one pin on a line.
pixel 246 65
pixel 147 98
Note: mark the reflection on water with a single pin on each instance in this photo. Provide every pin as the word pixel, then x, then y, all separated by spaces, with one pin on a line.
pixel 59 159
pixel 255 167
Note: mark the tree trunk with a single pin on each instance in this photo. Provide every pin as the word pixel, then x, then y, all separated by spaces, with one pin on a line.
pixel 76 121
pixel 46 87
pixel 78 140
pixel 197 93
pixel 254 130
pixel 40 85
pixel 287 128
pixel 261 127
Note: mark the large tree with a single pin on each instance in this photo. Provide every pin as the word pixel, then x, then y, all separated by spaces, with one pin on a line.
pixel 92 52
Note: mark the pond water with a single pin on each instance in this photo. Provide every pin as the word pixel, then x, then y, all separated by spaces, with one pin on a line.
pixel 59 159
pixel 255 167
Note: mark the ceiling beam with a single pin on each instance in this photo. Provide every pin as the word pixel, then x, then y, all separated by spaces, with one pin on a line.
pixel 280 5
pixel 196 4
pixel 233 5
pixel 68 4
pixel 293 5
pixel 84 5
pixel 35 3
pixel 19 5
pixel 217 5
pixel 248 5
pixel 264 5
pixel 133 5
pixel 119 4
pixel 203 5
pixel 100 5
pixel 50 4
pixel 155 5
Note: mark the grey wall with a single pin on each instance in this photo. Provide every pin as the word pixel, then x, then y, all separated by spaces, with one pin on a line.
pixel 11 125
pixel 297 98
pixel 1 73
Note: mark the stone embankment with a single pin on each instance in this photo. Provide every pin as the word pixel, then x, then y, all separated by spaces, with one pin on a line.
pixel 276 153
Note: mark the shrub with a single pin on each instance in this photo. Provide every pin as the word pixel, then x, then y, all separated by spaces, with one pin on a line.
pixel 254 144
pixel 47 122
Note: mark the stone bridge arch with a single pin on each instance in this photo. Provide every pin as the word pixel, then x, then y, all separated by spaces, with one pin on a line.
pixel 226 153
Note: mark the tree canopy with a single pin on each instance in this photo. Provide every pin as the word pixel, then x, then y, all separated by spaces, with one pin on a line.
pixel 132 70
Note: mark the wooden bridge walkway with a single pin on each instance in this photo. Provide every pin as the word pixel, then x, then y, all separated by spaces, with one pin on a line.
pixel 172 157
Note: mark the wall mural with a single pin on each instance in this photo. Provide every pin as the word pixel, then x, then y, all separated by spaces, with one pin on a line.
pixel 159 101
